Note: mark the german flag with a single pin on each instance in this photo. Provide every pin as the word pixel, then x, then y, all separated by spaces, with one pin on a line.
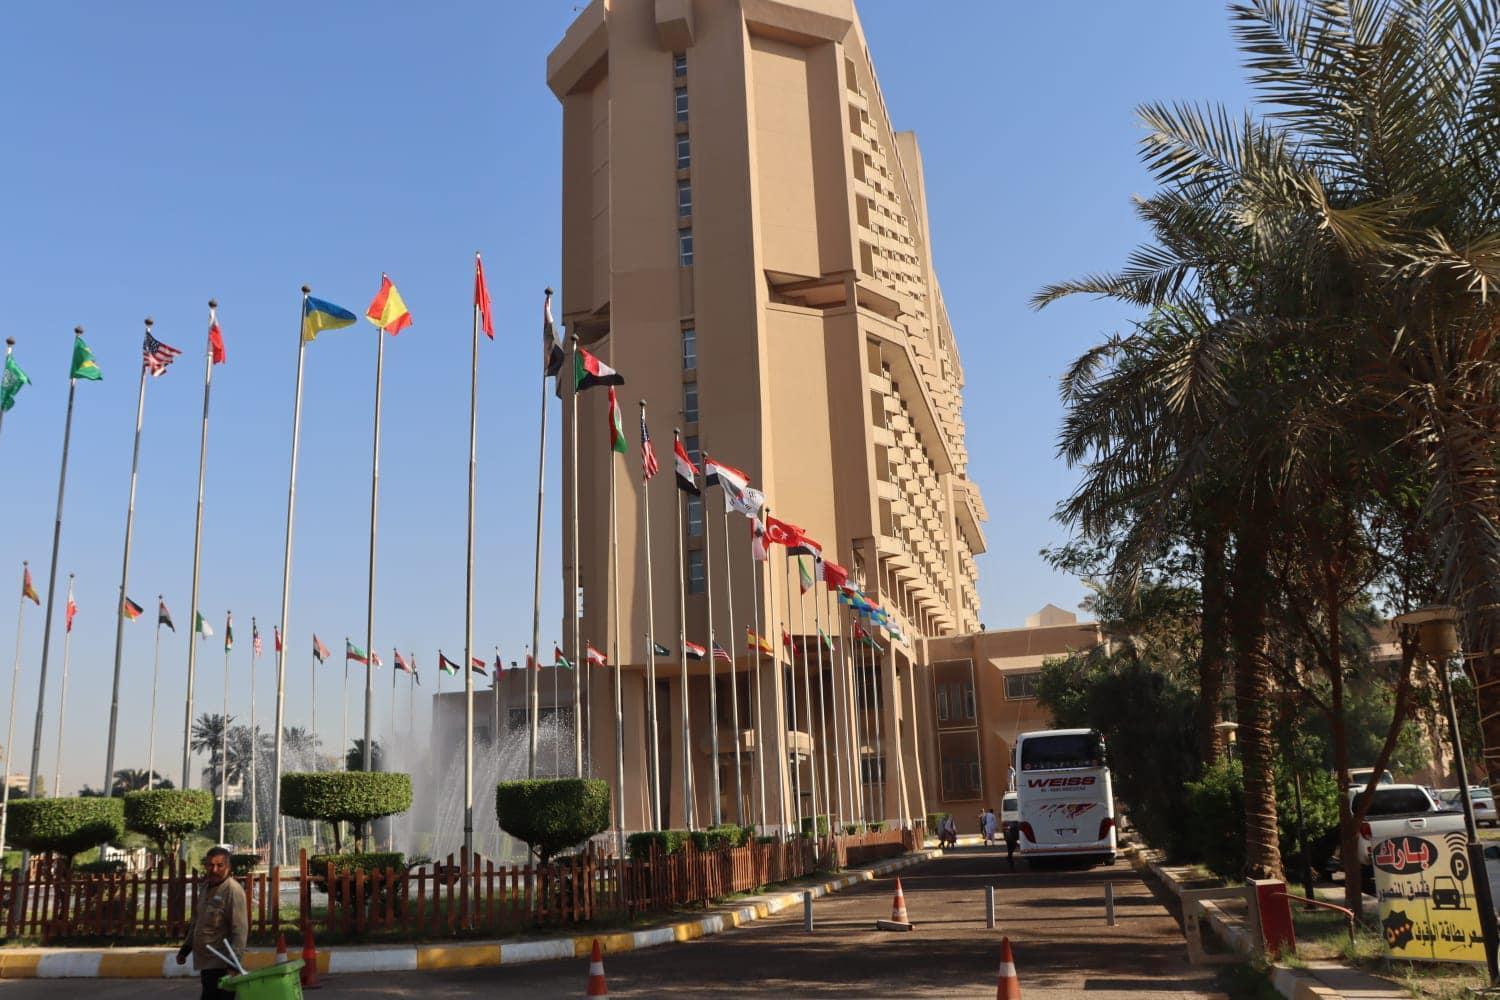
pixel 132 610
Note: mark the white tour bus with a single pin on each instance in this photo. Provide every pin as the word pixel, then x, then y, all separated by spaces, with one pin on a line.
pixel 1067 803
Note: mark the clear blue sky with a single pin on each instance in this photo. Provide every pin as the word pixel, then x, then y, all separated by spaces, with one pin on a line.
pixel 157 156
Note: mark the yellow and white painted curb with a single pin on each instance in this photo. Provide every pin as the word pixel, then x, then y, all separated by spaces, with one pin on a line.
pixel 158 963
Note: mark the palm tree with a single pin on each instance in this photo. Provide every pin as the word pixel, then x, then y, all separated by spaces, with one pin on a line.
pixel 208 738
pixel 354 757
pixel 135 780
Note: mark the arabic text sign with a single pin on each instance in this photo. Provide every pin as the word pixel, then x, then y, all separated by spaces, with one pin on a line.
pixel 1427 907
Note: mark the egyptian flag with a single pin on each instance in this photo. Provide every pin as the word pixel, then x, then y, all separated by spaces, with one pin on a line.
pixel 320 651
pixel 131 609
pixel 589 371
pixel 552 352
pixel 693 650
pixel 687 472
pixel 163 616
pixel 401 663
pixel 596 658
pixel 477 665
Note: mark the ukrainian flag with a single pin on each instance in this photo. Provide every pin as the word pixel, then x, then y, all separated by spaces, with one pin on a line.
pixel 318 316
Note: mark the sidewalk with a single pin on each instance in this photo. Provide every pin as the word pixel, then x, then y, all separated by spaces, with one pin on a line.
pixel 158 963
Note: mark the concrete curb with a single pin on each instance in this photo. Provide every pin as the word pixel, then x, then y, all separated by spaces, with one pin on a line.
pixel 161 963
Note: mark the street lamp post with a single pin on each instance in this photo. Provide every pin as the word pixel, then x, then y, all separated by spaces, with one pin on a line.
pixel 1437 639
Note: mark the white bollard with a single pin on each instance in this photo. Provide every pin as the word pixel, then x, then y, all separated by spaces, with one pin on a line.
pixel 989 907
pixel 1109 903
pixel 807 915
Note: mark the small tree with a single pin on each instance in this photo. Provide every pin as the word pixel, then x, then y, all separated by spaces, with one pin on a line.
pixel 552 815
pixel 65 826
pixel 166 815
pixel 352 797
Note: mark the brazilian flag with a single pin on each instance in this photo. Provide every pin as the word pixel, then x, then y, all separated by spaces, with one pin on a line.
pixel 84 365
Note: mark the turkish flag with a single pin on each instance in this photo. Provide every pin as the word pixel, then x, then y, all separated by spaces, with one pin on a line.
pixel 782 533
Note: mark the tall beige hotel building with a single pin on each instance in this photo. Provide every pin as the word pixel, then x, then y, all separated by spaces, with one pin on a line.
pixel 745 238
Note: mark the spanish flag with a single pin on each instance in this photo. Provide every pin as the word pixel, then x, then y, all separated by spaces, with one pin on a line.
pixel 27 590
pixel 318 316
pixel 388 311
pixel 753 641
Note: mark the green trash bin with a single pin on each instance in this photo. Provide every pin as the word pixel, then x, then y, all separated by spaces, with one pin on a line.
pixel 274 982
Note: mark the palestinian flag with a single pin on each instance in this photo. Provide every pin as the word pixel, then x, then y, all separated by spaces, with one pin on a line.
pixel 687 472
pixel 693 650
pixel 320 652
pixel 559 660
pixel 596 658
pixel 27 590
pixel 616 425
pixel 589 371
pixel 163 616
pixel 446 665
pixel 353 652
pixel 753 641
pixel 131 609
pixel 804 576
pixel 201 626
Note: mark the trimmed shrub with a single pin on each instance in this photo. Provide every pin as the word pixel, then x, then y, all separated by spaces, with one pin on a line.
pixel 765 840
pixel 876 826
pixel 65 826
pixel 935 820
pixel 367 862
pixel 713 838
pixel 238 833
pixel 241 865
pixel 345 796
pixel 807 825
pixel 552 815
pixel 166 815
pixel 851 828
pixel 638 845
pixel 114 867
pixel 1214 824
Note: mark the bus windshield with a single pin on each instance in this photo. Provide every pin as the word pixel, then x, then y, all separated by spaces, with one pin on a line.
pixel 1051 753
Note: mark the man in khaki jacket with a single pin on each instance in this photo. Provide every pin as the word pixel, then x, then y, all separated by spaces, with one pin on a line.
pixel 221 916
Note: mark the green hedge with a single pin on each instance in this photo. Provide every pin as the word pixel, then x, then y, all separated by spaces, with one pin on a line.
pixel 876 826
pixel 807 825
pixel 345 796
pixel 1214 824
pixel 552 815
pixel 366 861
pixel 935 820
pixel 114 867
pixel 166 815
pixel 243 864
pixel 638 845
pixel 65 826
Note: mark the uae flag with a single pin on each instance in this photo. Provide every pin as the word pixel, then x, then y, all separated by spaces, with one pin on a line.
pixel 589 371
pixel 552 352
pixel 616 425
pixel 687 472
pixel 131 609
pixel 320 651
pixel 163 616
pixel 596 658
pixel 693 650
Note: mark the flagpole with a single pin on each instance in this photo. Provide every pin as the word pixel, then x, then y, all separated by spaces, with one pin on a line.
pixel 10 731
pixel 10 346
pixel 62 701
pixel 823 741
pixel 614 596
pixel 779 718
pixel 655 754
pixel 114 697
pixel 277 848
pixel 734 688
pixel 224 739
pixel 861 722
pixel 254 735
pixel 812 757
pixel 579 664
pixel 688 806
pixel 556 724
pixel 41 693
pixel 317 757
pixel 155 675
pixel 837 801
pixel 760 708
pixel 374 520
pixel 534 677
pixel 876 701
pixel 390 825
pixel 187 715
pixel 344 740
pixel 469 600
pixel 717 810
pixel 795 762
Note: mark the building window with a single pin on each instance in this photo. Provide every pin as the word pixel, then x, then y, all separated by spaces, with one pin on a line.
pixel 695 516
pixel 690 403
pixel 690 445
pixel 953 684
pixel 872 769
pixel 695 570
pixel 689 349
pixel 1019 687
pixel 679 64
pixel 679 104
pixel 959 770
pixel 685 248
pixel 684 198
pixel 684 153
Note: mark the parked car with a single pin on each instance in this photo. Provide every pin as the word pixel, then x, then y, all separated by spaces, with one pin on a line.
pixel 1359 777
pixel 1482 798
pixel 1398 811
pixel 1010 809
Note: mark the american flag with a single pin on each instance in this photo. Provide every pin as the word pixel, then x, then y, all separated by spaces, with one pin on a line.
pixel 720 653
pixel 255 643
pixel 649 467
pixel 156 356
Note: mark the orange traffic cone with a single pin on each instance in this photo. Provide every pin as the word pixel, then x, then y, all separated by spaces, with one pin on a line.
pixel 281 958
pixel 309 973
pixel 597 988
pixel 898 907
pixel 1009 987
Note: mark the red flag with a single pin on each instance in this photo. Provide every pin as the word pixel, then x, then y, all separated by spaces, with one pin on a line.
pixel 276 635
pixel 783 532
pixel 482 298
pixel 215 340
pixel 833 574
pixel 71 610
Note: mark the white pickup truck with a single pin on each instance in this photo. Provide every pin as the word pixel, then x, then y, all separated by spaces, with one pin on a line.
pixel 1399 810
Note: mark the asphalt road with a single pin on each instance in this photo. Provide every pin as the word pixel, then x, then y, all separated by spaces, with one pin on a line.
pixel 1055 920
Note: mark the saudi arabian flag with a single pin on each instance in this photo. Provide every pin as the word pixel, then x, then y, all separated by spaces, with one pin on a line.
pixel 11 382
pixel 201 626
pixel 83 362
pixel 616 425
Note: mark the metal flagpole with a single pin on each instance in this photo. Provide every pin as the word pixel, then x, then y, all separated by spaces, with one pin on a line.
pixel 468 667
pixel 862 722
pixel 760 708
pixel 10 346
pixel 62 702
pixel 794 762
pixel 114 697
pixel 155 673
pixel 835 812
pixel 877 682
pixel 187 715
pixel 556 723
pixel 368 760
pixel 812 757
pixel 916 750
pixel 277 847
pixel 224 737
pixel 41 692
pixel 394 653
pixel 717 810
pixel 614 597
pixel 344 697
pixel 317 756
pixel 840 748
pixel 655 748
pixel 778 717
pixel 734 687
pixel 688 806
pixel 10 731
pixel 534 676
pixel 579 664
pixel 254 735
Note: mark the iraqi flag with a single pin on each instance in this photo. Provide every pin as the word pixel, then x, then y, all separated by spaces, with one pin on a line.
pixel 401 663
pixel 589 371
pixel 693 650
pixel 687 472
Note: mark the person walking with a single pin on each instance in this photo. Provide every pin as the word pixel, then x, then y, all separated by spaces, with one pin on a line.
pixel 991 825
pixel 221 917
pixel 1012 840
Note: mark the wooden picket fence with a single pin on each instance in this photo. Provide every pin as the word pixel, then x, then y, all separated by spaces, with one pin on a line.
pixel 443 900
